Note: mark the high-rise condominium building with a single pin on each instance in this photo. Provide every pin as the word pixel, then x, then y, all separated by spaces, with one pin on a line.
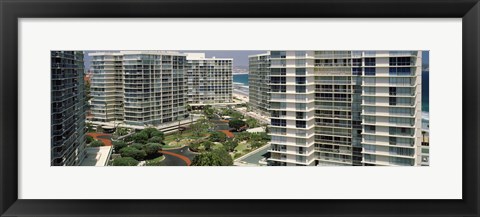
pixel 67 108
pixel 258 80
pixel 209 80
pixel 344 107
pixel 139 88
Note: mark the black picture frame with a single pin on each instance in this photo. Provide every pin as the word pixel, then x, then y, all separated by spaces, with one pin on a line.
pixel 12 10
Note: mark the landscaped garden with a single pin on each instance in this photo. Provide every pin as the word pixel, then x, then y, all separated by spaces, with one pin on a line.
pixel 143 146
pixel 211 141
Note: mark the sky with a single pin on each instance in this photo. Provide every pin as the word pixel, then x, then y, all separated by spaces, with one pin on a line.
pixel 240 57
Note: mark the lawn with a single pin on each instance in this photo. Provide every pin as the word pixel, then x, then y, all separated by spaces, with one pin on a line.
pixel 156 161
pixel 241 147
pixel 187 134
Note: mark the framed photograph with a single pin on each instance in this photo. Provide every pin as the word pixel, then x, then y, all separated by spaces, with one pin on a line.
pixel 239 108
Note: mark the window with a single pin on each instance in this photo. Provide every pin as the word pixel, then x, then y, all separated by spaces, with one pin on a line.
pixel 301 62
pixel 369 129
pixel 300 53
pixel 278 54
pixel 369 61
pixel 370 119
pixel 369 148
pixel 369 100
pixel 401 151
pixel 399 71
pixel 392 101
pixel 401 161
pixel 300 89
pixel 300 80
pixel 392 91
pixel 370 71
pixel 279 122
pixel 300 71
pixel 356 71
pixel 300 115
pixel 392 140
pixel 369 81
pixel 301 124
pixel 301 106
pixel 369 90
pixel 357 62
pixel 369 158
pixel 400 61
pixel 369 110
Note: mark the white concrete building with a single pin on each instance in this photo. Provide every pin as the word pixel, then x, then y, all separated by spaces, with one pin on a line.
pixel 139 88
pixel 209 80
pixel 345 108
pixel 258 82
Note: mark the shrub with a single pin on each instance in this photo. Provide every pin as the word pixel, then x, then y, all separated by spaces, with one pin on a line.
pixel 125 161
pixel 140 137
pixel 96 143
pixel 156 139
pixel 133 153
pixel 218 157
pixel 237 155
pixel 194 146
pixel 152 148
pixel 150 131
pixel 137 146
pixel 117 145
pixel 158 134
pixel 218 137
pixel 230 145
pixel 236 124
pixel 208 145
pixel 89 139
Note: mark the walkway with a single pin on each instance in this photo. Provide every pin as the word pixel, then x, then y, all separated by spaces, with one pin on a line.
pixel 105 138
pixel 173 155
pixel 228 133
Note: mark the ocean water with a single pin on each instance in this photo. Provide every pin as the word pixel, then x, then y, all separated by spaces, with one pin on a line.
pixel 425 91
pixel 241 78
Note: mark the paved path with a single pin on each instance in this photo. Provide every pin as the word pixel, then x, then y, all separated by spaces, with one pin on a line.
pixel 228 133
pixel 178 157
pixel 105 138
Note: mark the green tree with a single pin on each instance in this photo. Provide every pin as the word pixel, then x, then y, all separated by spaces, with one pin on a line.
pixel 236 124
pixel 138 146
pixel 140 137
pixel 121 131
pixel 96 143
pixel 230 145
pixel 209 111
pixel 194 146
pixel 217 137
pixel 133 152
pixel 118 145
pixel 152 148
pixel 208 145
pixel 89 139
pixel 125 161
pixel 251 122
pixel 218 157
pixel 200 127
pixel 151 132
pixel 243 136
pixel 158 134
pixel 256 144
pixel 156 139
